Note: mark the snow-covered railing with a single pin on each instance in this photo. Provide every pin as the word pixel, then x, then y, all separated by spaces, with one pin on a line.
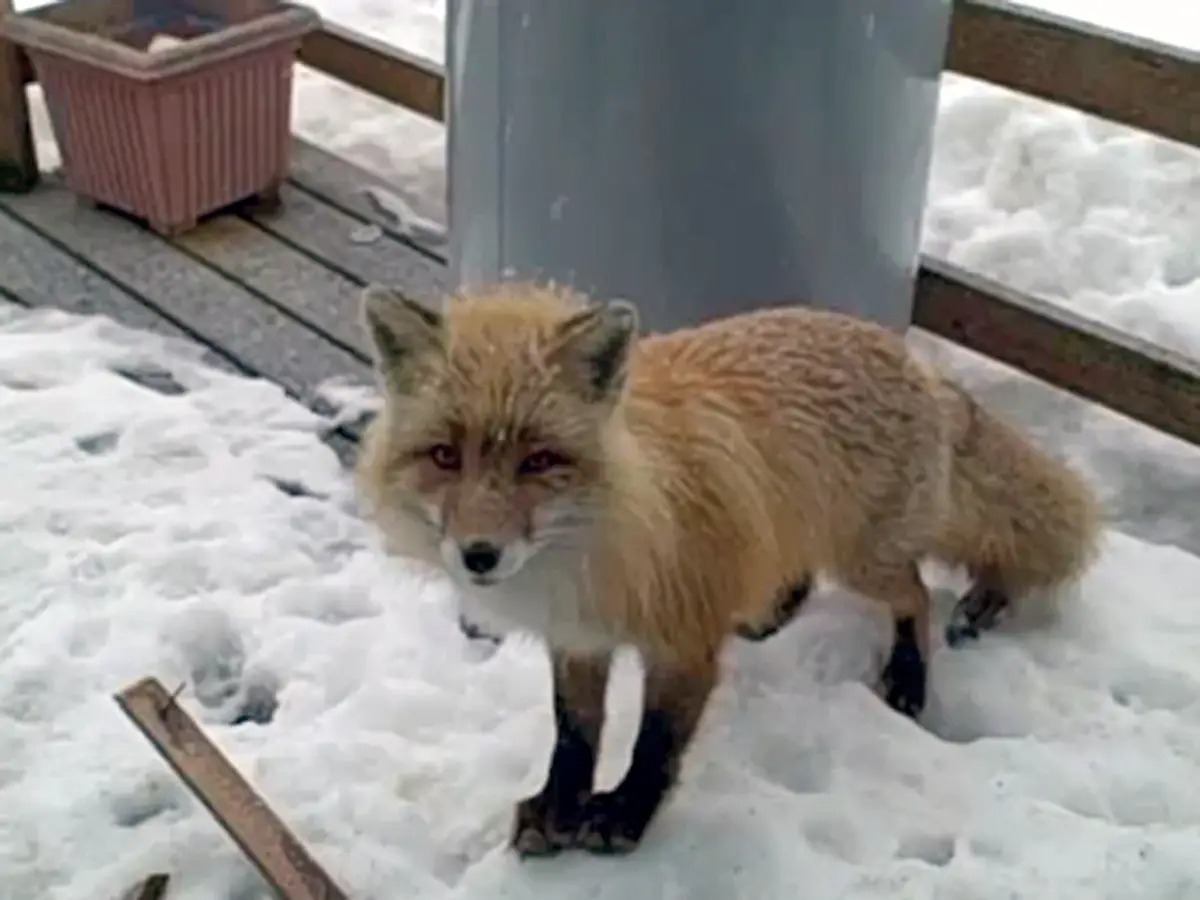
pixel 1115 76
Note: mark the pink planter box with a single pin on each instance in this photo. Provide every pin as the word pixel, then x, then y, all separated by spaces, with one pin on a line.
pixel 168 134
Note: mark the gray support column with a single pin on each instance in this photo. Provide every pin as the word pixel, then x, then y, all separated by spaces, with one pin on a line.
pixel 697 157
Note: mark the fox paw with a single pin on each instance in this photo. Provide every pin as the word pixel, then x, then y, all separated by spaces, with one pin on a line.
pixel 903 679
pixel 979 609
pixel 540 830
pixel 610 825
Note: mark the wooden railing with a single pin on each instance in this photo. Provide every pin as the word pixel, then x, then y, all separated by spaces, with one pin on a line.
pixel 1124 79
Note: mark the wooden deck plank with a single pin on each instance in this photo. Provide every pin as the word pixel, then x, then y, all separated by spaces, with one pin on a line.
pixel 343 185
pixel 263 339
pixel 41 274
pixel 325 300
pixel 324 232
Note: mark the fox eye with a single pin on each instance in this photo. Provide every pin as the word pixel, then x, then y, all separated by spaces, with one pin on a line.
pixel 540 461
pixel 445 457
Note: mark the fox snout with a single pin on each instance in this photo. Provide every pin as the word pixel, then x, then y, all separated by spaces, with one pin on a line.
pixel 483 560
pixel 480 557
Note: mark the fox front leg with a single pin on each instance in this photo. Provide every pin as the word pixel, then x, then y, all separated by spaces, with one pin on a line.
pixel 549 821
pixel 675 698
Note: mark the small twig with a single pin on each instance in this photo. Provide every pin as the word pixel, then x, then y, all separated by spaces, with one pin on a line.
pixel 170 701
pixel 153 888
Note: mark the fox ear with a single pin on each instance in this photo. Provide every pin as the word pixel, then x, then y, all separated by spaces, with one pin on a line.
pixel 598 341
pixel 402 331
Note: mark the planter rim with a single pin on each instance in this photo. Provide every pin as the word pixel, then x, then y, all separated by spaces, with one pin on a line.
pixel 32 32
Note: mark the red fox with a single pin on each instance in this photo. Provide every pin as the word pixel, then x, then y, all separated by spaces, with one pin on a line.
pixel 601 488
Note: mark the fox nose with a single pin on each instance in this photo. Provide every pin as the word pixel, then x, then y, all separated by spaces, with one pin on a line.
pixel 480 557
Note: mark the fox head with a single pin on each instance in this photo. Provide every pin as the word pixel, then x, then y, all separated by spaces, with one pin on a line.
pixel 489 450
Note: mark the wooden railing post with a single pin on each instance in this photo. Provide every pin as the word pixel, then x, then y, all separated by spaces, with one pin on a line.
pixel 18 162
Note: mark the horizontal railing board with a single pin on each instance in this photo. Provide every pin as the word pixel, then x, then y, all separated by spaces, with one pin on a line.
pixel 1089 358
pixel 377 68
pixel 1117 76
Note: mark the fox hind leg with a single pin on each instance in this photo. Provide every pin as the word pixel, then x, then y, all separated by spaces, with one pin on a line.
pixel 979 609
pixel 903 681
pixel 788 603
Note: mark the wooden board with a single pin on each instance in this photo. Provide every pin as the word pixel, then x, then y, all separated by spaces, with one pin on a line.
pixel 1093 360
pixel 324 233
pixel 281 277
pixel 18 162
pixel 1117 76
pixel 39 273
pixel 263 338
pixel 377 68
pixel 258 831
pixel 342 185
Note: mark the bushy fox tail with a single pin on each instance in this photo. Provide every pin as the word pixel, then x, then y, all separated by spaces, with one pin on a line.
pixel 1019 520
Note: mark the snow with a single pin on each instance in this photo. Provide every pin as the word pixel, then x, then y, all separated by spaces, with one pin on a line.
pixel 202 532
pixel 182 522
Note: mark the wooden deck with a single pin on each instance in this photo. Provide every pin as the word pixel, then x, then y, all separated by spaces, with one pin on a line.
pixel 271 295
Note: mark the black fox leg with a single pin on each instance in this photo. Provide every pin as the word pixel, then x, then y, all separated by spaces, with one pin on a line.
pixel 904 676
pixel 675 699
pixel 548 822
pixel 898 584
pixel 977 610
pixel 789 602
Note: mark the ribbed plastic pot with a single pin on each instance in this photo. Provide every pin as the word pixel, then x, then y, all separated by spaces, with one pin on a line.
pixel 168 135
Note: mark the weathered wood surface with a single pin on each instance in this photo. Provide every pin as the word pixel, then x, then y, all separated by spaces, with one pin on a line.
pixel 42 274
pixel 327 233
pixel 1093 360
pixel 271 294
pixel 18 162
pixel 259 336
pixel 1116 76
pixel 377 68
pixel 292 282
pixel 262 836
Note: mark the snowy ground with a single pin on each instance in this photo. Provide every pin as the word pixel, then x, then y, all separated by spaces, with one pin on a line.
pixel 205 534
pixel 147 532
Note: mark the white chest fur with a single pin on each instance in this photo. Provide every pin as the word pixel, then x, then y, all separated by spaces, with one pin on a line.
pixel 550 596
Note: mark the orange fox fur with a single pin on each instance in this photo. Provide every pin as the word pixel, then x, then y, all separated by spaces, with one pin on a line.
pixel 660 491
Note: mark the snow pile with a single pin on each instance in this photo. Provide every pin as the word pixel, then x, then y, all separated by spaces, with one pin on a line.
pixel 1070 208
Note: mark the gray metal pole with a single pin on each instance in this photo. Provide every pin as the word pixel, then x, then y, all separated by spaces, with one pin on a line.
pixel 699 158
